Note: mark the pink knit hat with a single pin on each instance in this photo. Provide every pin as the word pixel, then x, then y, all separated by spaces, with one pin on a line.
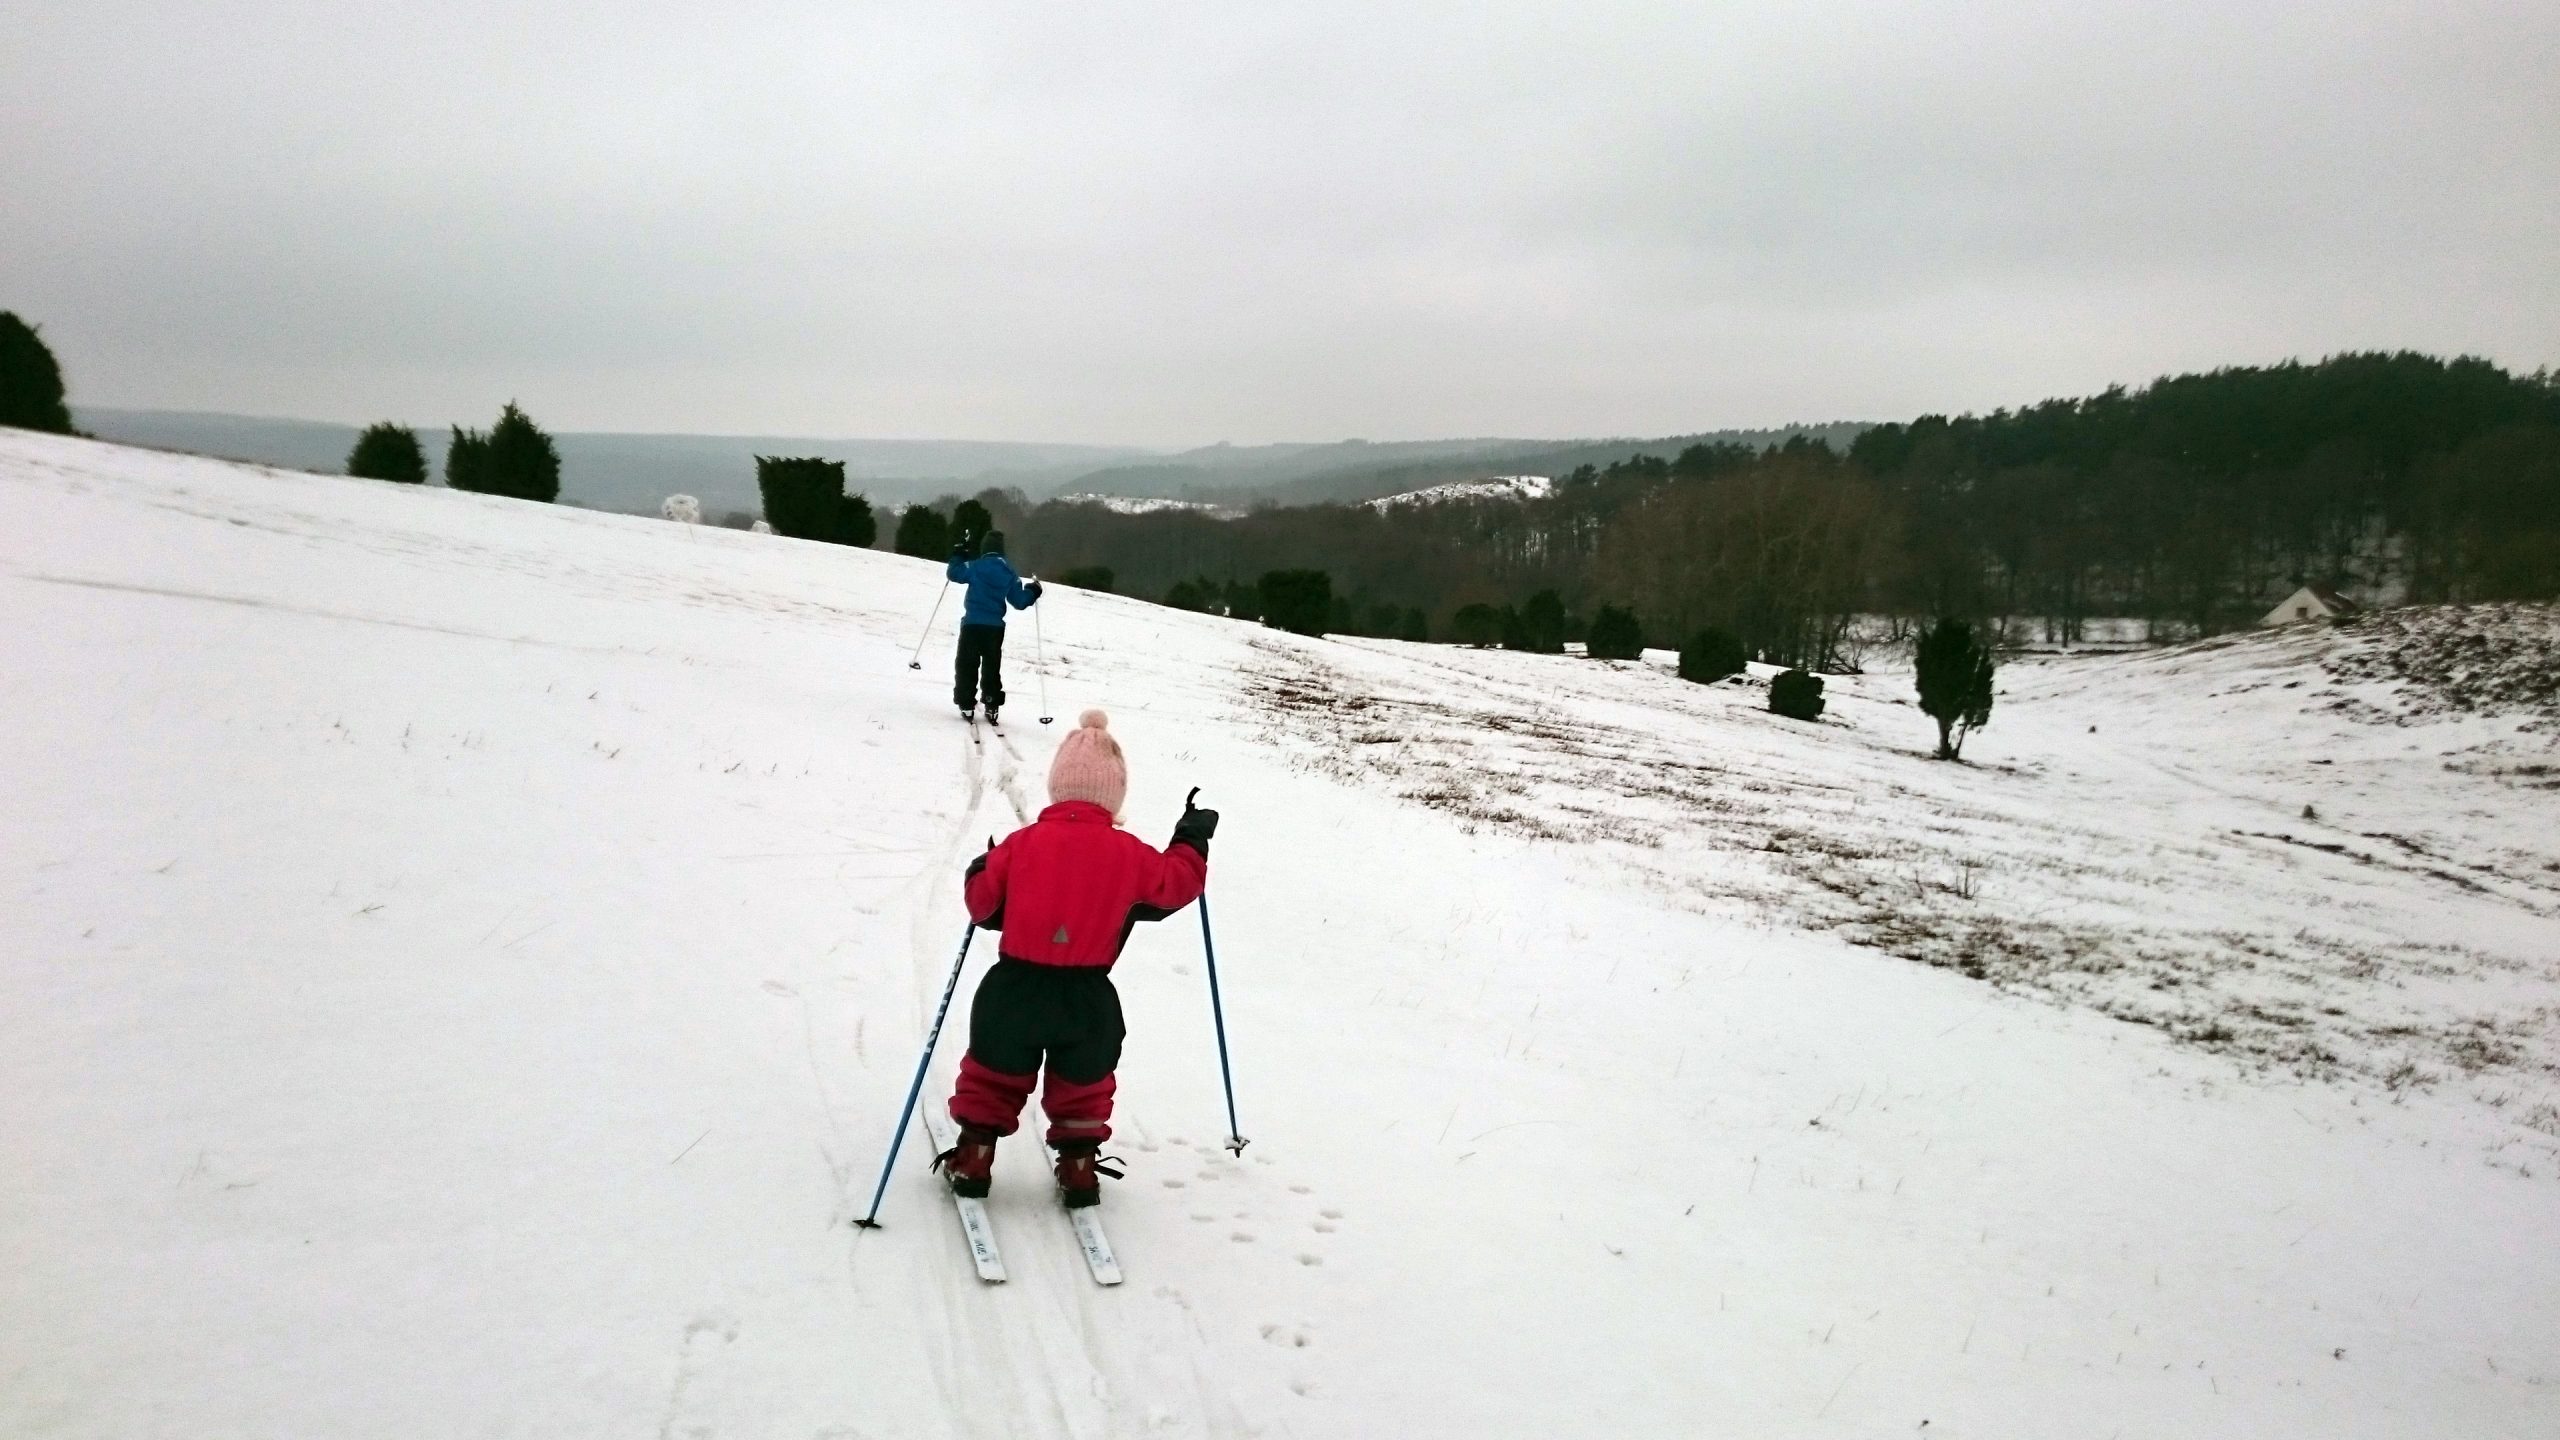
pixel 1090 766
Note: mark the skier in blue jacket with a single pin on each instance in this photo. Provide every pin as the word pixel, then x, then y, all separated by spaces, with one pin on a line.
pixel 993 585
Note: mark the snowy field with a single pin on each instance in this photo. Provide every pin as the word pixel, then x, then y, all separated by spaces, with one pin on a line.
pixel 462 959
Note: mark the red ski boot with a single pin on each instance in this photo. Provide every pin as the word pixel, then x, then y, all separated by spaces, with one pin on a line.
pixel 1080 1171
pixel 970 1164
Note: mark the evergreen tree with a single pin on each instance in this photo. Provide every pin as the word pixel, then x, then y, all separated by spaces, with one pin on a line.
pixel 804 498
pixel 1711 655
pixel 388 452
pixel 514 458
pixel 1796 694
pixel 857 524
pixel 31 395
pixel 1416 627
pixel 1542 624
pixel 1615 635
pixel 922 532
pixel 1197 596
pixel 466 462
pixel 1955 682
pixel 970 521
pixel 1244 602
pixel 522 458
pixel 1298 601
pixel 1479 625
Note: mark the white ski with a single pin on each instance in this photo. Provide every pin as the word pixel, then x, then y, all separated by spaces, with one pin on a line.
pixel 1096 1245
pixel 975 1228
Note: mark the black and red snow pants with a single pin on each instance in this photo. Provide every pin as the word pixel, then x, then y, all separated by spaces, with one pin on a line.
pixel 1025 1015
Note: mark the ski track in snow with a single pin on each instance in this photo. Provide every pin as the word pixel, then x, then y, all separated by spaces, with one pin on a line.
pixel 461 961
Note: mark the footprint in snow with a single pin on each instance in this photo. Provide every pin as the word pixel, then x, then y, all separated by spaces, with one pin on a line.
pixel 1171 1183
pixel 1242 1237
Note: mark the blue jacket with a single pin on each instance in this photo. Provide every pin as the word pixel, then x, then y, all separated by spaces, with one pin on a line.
pixel 992 586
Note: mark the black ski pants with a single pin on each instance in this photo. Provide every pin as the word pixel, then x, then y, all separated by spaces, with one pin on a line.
pixel 1068 1016
pixel 979 673
pixel 1028 1016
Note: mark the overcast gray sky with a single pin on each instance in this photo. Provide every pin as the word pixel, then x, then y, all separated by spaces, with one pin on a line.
pixel 1187 222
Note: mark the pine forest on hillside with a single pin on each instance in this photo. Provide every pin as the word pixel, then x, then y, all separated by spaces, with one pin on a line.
pixel 2190 504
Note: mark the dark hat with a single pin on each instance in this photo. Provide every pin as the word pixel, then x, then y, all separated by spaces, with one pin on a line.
pixel 992 543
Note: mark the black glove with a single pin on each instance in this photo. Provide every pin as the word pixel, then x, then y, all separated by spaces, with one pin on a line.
pixel 1034 588
pixel 996 920
pixel 960 550
pixel 1196 825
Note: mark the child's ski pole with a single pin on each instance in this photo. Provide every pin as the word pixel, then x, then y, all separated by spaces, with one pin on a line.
pixel 916 661
pixel 1040 664
pixel 1217 1012
pixel 932 1037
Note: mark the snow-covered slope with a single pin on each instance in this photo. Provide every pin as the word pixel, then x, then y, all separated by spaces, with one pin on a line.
pixel 1496 487
pixel 2253 844
pixel 1150 504
pixel 461 960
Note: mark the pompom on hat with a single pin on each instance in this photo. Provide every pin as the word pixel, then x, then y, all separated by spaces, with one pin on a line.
pixel 1089 765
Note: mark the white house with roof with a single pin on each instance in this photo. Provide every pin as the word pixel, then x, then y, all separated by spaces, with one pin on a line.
pixel 2311 602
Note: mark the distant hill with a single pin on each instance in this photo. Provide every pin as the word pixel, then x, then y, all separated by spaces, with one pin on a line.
pixel 1220 472
pixel 1553 458
pixel 631 473
pixel 1355 470
pixel 292 444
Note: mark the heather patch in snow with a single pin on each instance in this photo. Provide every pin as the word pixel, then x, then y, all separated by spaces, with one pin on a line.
pixel 2106 873
pixel 2492 659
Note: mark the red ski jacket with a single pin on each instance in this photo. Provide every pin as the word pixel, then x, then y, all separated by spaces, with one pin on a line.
pixel 1068 888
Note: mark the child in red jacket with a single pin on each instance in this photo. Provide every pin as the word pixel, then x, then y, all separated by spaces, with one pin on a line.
pixel 1065 890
